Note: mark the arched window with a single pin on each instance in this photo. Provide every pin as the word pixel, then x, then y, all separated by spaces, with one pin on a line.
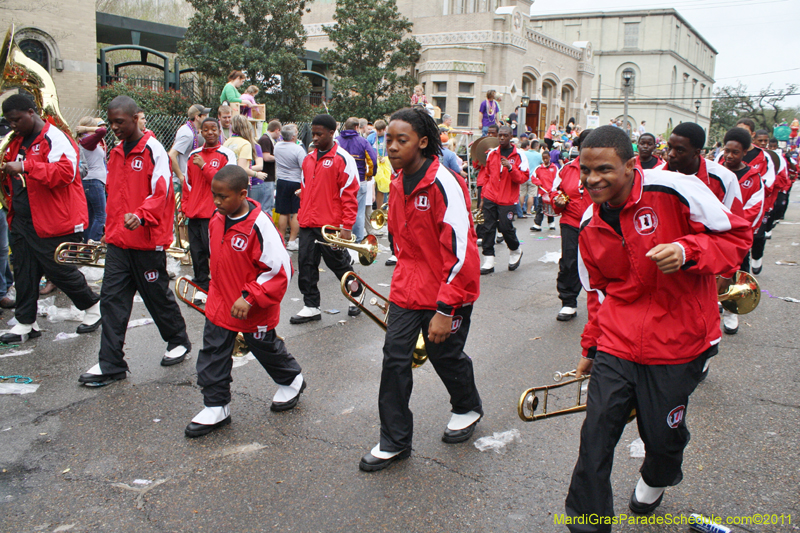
pixel 37 51
pixel 630 74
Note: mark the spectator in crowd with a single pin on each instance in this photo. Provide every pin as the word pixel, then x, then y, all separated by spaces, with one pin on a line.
pixel 447 123
pixel 363 127
pixel 289 158
pixel 527 191
pixel 366 161
pixel 224 114
pixel 448 158
pixel 418 98
pixel 549 135
pixel 267 144
pixel 378 141
pixel 249 97
pixel 90 133
pixel 230 93
pixel 244 146
pixel 187 138
pixel 489 112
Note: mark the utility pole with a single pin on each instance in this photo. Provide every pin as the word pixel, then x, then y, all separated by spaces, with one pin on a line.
pixel 626 76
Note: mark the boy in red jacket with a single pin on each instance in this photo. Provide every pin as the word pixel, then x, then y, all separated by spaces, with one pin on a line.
pixel 197 202
pixel 48 207
pixel 650 248
pixel 543 177
pixel 434 285
pixel 506 169
pixel 141 210
pixel 250 271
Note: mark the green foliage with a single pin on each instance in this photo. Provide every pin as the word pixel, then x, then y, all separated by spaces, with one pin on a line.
pixel 373 59
pixel 732 103
pixel 151 101
pixel 263 38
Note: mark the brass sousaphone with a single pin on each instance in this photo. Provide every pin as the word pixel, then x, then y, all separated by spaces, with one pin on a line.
pixel 21 72
pixel 478 150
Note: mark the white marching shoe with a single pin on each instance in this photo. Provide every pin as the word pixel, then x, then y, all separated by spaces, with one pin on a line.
pixel 287 396
pixel 566 314
pixel 730 322
pixel 514 259
pixel 306 314
pixel 755 265
pixel 21 333
pixel 645 498
pixel 207 420
pixel 175 355
pixel 91 320
pixel 488 265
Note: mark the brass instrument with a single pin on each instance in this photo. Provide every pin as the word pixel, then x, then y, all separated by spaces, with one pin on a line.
pixel 21 72
pixel 79 253
pixel 381 302
pixel 742 296
pixel 181 235
pixel 182 288
pixel 477 151
pixel 379 217
pixel 477 217
pixel 547 207
pixel 529 401
pixel 367 249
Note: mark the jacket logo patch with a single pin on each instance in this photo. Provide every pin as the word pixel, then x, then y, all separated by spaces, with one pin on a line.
pixel 239 242
pixel 456 324
pixel 215 163
pixel 327 163
pixel 645 221
pixel 36 148
pixel 510 215
pixel 137 164
pixel 675 417
pixel 151 275
pixel 747 183
pixel 421 202
pixel 259 335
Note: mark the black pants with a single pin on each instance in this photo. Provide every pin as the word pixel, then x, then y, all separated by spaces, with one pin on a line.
pixel 32 258
pixel 549 143
pixel 760 239
pixel 308 264
pixel 778 210
pixel 214 362
pixel 128 271
pixel 539 210
pixel 498 217
pixel 569 283
pixel 199 250
pixel 452 365
pixel 660 394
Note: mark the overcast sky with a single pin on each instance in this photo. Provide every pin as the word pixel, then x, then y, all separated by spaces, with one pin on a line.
pixel 753 37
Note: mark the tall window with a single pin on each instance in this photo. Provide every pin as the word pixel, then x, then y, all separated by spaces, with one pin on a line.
pixel 440 102
pixel 464 111
pixel 465 88
pixel 632 35
pixel 37 51
pixel 440 86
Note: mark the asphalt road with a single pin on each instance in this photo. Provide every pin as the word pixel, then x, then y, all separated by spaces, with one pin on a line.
pixel 115 459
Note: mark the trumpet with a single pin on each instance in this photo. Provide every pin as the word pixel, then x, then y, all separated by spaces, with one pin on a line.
pixel 381 302
pixel 367 249
pixel 79 253
pixel 183 286
pixel 379 217
pixel 742 296
pixel 529 401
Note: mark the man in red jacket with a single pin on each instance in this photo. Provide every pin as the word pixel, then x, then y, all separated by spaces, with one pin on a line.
pixel 48 207
pixel 434 286
pixel 569 201
pixel 650 249
pixel 197 203
pixel 328 197
pixel 250 272
pixel 506 169
pixel 543 177
pixel 141 210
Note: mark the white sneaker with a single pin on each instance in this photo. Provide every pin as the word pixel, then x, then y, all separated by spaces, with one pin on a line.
pixel 488 265
pixel 755 265
pixel 730 322
pixel 567 313
pixel 768 234
pixel 292 246
pixel 462 421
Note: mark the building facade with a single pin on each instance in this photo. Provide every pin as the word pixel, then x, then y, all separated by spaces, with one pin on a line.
pixel 472 46
pixel 670 65
pixel 61 37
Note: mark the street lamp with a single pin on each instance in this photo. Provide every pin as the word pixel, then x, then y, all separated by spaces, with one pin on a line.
pixel 522 120
pixel 627 75
pixel 697 104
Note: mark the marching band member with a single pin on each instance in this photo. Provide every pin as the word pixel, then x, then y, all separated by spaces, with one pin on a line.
pixel 650 248
pixel 139 227
pixel 327 197
pixel 480 181
pixel 506 169
pixel 250 272
pixel 543 177
pixel 435 283
pixel 48 207
pixel 568 183
pixel 197 202
pixel 646 158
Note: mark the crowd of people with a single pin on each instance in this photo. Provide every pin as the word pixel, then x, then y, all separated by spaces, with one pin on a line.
pixel 652 237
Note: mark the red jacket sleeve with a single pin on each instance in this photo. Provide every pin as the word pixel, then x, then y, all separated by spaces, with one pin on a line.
pixel 272 260
pixel 90 142
pixel 152 209
pixel 519 169
pixel 595 284
pixel 348 192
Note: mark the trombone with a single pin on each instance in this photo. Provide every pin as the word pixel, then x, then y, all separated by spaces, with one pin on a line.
pixel 183 286
pixel 529 400
pixel 381 302
pixel 379 217
pixel 742 296
pixel 90 254
pixel 367 249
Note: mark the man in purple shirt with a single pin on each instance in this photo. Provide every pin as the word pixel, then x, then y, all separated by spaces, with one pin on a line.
pixel 366 162
pixel 489 112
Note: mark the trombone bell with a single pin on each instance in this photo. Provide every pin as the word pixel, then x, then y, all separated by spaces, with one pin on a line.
pixel 742 296
pixel 367 249
pixel 379 217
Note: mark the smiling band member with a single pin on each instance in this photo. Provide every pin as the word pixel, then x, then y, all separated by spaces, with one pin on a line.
pixel 650 248
pixel 48 207
pixel 141 210
pixel 434 285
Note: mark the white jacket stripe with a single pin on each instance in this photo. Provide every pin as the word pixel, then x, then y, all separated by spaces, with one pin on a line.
pixel 60 146
pixel 729 182
pixel 162 169
pixel 273 253
pixel 704 207
pixel 456 216
pixel 583 273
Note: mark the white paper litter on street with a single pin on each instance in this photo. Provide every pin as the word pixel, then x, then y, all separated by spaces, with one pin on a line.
pixel 383 284
pixel 43 304
pixel 498 441
pixel 550 257
pixel 142 481
pixel 637 448
pixel 14 353
pixel 61 314
pixel 139 322
pixel 18 388
pixel 92 273
pixel 64 336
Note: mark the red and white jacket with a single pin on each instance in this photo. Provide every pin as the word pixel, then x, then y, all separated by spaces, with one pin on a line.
pixel 196 198
pixel 329 188
pixel 544 177
pixel 753 197
pixel 140 183
pixel 55 189
pixel 722 182
pixel 502 185
pixel 638 313
pixel 782 181
pixel 568 181
pixel 758 160
pixel 438 266
pixel 249 259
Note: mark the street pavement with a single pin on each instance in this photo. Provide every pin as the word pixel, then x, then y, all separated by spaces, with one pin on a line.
pixel 116 459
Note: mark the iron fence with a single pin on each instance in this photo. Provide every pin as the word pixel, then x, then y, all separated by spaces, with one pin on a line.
pixel 163 126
